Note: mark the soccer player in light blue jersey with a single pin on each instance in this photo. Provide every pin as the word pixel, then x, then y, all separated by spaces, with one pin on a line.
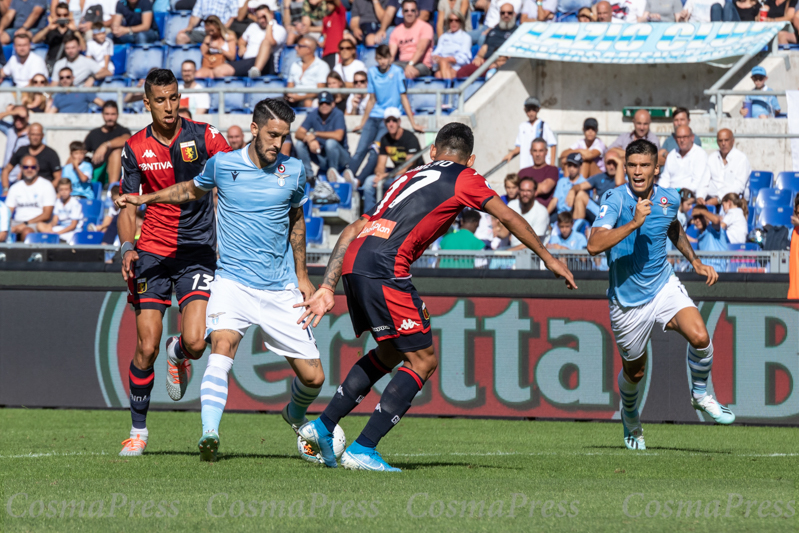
pixel 634 222
pixel 261 271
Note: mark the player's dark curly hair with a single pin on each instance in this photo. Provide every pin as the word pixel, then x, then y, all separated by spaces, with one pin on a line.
pixel 272 109
pixel 159 77
pixel 455 138
pixel 642 147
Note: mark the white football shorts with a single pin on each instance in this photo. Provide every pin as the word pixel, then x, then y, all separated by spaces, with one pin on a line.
pixel 632 326
pixel 237 307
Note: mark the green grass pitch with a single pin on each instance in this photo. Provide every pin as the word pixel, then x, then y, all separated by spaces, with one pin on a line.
pixel 458 475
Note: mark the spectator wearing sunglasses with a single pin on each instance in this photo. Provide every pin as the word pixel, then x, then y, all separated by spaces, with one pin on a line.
pixel 356 103
pixel 307 71
pixel 454 48
pixel 411 43
pixel 36 102
pixel 446 8
pixel 761 106
pixel 347 66
pixel 70 102
pixel 495 37
pixel 16 135
pixel 31 200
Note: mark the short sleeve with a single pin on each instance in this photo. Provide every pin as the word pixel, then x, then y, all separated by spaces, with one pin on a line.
pixel 339 122
pixel 87 168
pixel 17 156
pixel 370 84
pixel 76 211
pixel 11 199
pixel 580 242
pixel 299 197
pixel 55 163
pixel 48 194
pixel 549 136
pixel 401 81
pixel 131 175
pixel 427 32
pixel 308 122
pixel 609 210
pixel 5 219
pixel 472 190
pixel 207 179
pixel 94 66
pixel 215 142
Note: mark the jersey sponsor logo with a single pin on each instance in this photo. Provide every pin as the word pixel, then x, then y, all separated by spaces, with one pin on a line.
pixel 408 324
pixel 378 228
pixel 189 151
pixel 148 153
pixel 235 175
pixel 141 285
pixel 158 165
pixel 603 211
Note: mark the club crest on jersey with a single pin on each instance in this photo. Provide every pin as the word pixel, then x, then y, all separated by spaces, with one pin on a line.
pixel 664 203
pixel 281 169
pixel 189 151
pixel 141 285
pixel 425 314
pixel 215 318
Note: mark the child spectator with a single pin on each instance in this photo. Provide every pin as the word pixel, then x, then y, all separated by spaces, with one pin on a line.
pixel 78 171
pixel 334 81
pixel 101 48
pixel 735 215
pixel 712 235
pixel 574 162
pixel 67 214
pixel 356 103
pixel 565 238
pixel 760 106
pixel 511 188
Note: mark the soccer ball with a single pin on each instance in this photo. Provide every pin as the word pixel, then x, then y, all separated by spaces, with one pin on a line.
pixel 312 455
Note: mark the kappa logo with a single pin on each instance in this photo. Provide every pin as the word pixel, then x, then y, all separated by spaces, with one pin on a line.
pixel 158 165
pixel 148 153
pixel 378 408
pixel 408 324
pixel 340 390
pixel 214 131
pixel 235 175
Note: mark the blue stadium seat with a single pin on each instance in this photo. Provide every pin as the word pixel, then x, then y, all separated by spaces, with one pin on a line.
pixel 776 216
pixel 470 90
pixel 174 22
pixel 233 101
pixel 87 237
pixel 314 230
pixel 8 51
pixel 344 191
pixel 108 83
pixel 176 55
pixel 768 197
pixel 367 55
pixel 142 58
pixel 42 238
pixel 97 188
pixel 306 207
pixel 287 56
pixel 759 179
pixel 475 19
pixel 267 83
pixel 92 210
pixel 787 180
pixel 120 58
pixel 159 17
pixel 744 247
pixel 426 102
pixel 691 231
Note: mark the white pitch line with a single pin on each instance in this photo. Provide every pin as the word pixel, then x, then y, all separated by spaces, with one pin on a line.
pixel 48 454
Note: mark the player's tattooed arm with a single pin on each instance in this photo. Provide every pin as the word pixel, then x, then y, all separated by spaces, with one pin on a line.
pixel 179 193
pixel 677 236
pixel 336 262
pixel 297 240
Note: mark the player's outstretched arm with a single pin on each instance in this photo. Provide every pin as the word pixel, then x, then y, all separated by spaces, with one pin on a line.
pixel 677 235
pixel 322 301
pixel 603 239
pixel 297 240
pixel 522 230
pixel 179 193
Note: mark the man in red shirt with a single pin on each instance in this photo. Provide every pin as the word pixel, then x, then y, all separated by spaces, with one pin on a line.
pixel 333 26
pixel 176 249
pixel 375 254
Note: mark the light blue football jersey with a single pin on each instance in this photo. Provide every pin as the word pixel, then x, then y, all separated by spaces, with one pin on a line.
pixel 253 217
pixel 638 265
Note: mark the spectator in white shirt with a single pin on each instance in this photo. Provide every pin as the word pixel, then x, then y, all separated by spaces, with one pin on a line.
pixel 31 199
pixel 533 11
pixel 735 214
pixel 101 47
pixel 5 221
pixel 347 66
pixel 696 11
pixel 532 211
pixel 258 46
pixel 356 103
pixel 67 213
pixel 686 166
pixel 23 65
pixel 729 171
pixel 629 11
pixel 84 70
pixel 529 130
pixel 590 147
pixel 196 103
pixel 307 71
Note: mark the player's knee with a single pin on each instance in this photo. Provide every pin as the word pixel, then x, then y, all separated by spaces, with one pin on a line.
pixel 700 339
pixel 195 345
pixel 424 362
pixel 147 353
pixel 315 381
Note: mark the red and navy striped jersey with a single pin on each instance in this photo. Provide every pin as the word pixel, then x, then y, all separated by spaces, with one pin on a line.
pixel 173 230
pixel 418 208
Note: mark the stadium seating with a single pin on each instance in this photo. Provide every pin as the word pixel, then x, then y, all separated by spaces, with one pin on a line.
pixel 159 17
pixel 426 102
pixel 314 230
pixel 367 55
pixel 142 58
pixel 251 99
pixel 97 187
pixel 108 83
pixel 307 207
pixel 776 216
pixel 234 102
pixel 173 23
pixel 470 90
pixel 119 59
pixel 287 56
pixel 176 55
pixel 92 210
pixel 787 180
pixel 759 179
pixel 42 238
pixel 345 212
pixel 87 237
pixel 772 197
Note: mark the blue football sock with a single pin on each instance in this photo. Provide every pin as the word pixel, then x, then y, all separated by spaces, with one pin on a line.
pixel 213 390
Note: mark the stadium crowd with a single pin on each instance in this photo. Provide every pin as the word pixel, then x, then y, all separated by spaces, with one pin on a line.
pixel 381 45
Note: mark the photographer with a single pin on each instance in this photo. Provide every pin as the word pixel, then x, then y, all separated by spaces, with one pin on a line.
pixel 55 34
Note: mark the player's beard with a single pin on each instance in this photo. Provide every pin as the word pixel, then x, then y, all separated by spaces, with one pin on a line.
pixel 266 157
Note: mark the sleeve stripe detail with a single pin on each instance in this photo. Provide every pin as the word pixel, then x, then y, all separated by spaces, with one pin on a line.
pixel 300 203
pixel 199 186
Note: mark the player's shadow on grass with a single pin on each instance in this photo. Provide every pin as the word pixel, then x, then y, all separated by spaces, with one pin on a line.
pixel 417 466
pixel 662 448
pixel 227 456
